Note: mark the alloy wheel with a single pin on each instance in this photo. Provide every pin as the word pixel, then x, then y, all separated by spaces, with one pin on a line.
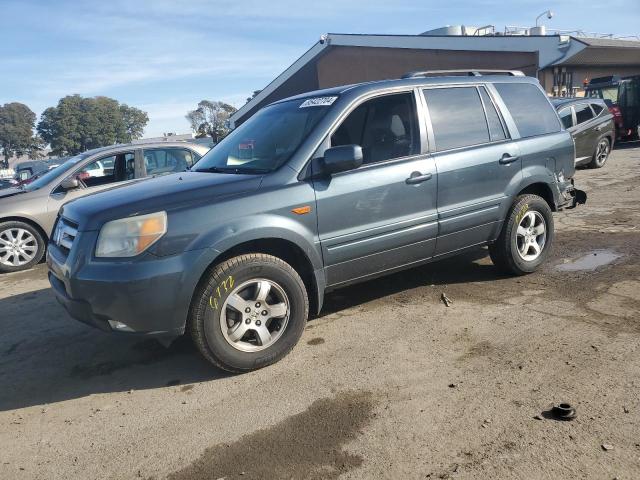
pixel 255 315
pixel 18 247
pixel 531 236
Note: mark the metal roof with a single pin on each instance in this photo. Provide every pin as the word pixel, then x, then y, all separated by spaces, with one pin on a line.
pixel 608 42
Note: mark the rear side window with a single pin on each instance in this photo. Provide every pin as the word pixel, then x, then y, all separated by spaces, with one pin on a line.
pixel 565 117
pixel 597 108
pixel 457 117
pixel 583 113
pixel 529 108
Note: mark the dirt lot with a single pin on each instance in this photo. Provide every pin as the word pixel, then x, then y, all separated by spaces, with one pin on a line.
pixel 387 383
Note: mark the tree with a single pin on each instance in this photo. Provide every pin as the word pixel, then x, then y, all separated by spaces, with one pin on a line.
pixel 16 130
pixel 78 124
pixel 211 119
pixel 255 92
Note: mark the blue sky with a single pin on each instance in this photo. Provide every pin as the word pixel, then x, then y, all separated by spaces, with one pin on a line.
pixel 164 55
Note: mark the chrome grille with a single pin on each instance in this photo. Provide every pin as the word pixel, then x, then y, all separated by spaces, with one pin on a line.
pixel 65 233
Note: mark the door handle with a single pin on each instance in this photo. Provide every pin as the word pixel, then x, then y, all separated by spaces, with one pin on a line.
pixel 506 159
pixel 417 177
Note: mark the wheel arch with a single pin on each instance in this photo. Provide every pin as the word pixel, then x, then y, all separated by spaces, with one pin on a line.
pixel 28 221
pixel 287 251
pixel 541 189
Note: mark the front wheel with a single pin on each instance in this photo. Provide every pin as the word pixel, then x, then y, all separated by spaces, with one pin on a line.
pixel 248 312
pixel 21 246
pixel 526 237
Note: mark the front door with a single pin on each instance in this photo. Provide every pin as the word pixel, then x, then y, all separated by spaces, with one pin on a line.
pixel 382 215
pixel 95 175
pixel 476 162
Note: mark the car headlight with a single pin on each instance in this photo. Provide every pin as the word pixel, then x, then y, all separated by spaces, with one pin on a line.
pixel 128 237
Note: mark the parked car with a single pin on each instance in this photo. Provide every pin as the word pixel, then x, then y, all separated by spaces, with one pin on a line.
pixel 622 96
pixel 27 213
pixel 7 182
pixel 28 169
pixel 591 125
pixel 313 193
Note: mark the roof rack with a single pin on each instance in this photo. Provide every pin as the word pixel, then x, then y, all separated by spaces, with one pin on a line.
pixel 470 73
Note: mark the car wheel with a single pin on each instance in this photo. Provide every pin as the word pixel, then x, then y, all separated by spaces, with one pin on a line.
pixel 526 237
pixel 600 154
pixel 248 312
pixel 21 246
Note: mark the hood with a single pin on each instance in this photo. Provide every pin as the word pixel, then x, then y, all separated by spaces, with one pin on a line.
pixel 10 192
pixel 166 193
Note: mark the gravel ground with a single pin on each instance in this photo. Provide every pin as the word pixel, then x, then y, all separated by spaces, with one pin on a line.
pixel 387 383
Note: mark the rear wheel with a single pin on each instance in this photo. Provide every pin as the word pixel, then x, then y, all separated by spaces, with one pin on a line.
pixel 526 237
pixel 601 154
pixel 21 246
pixel 249 312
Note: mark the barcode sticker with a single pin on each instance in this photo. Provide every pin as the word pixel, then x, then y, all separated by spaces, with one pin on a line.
pixel 318 102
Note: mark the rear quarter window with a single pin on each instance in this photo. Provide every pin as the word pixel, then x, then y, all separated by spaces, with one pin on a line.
pixel 530 109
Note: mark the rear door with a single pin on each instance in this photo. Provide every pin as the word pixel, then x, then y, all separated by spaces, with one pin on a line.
pixel 476 162
pixel 382 215
pixel 584 133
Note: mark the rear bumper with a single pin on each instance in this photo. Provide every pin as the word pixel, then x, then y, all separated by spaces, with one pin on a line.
pixel 569 196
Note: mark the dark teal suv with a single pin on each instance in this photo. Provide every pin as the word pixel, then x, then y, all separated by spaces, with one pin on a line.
pixel 312 193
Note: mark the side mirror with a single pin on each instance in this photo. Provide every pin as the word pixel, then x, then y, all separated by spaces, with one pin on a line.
pixel 342 158
pixel 70 183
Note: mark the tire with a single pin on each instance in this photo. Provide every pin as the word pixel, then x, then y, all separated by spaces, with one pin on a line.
pixel 507 251
pixel 600 154
pixel 21 246
pixel 230 300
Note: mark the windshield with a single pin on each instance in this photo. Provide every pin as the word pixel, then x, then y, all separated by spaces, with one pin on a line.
pixel 54 173
pixel 605 93
pixel 267 140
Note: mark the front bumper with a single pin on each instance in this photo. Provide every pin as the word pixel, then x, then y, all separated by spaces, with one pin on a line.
pixel 147 296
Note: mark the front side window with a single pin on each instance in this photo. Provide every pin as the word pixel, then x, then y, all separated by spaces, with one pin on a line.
pixel 566 117
pixel 106 170
pixel 530 109
pixel 268 139
pixel 597 108
pixel 583 113
pixel 457 117
pixel 385 127
pixel 167 160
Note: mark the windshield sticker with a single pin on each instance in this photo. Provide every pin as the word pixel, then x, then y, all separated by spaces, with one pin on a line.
pixel 318 102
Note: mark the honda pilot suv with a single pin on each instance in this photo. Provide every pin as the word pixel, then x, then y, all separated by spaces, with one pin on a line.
pixel 312 193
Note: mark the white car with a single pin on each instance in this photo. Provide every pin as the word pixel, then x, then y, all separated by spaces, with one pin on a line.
pixel 95 169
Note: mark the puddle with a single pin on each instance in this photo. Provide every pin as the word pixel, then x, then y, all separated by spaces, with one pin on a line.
pixel 306 446
pixel 591 261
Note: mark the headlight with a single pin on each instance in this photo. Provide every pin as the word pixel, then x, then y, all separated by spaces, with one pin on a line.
pixel 131 236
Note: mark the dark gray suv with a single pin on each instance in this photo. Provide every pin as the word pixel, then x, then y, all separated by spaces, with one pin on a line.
pixel 312 193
